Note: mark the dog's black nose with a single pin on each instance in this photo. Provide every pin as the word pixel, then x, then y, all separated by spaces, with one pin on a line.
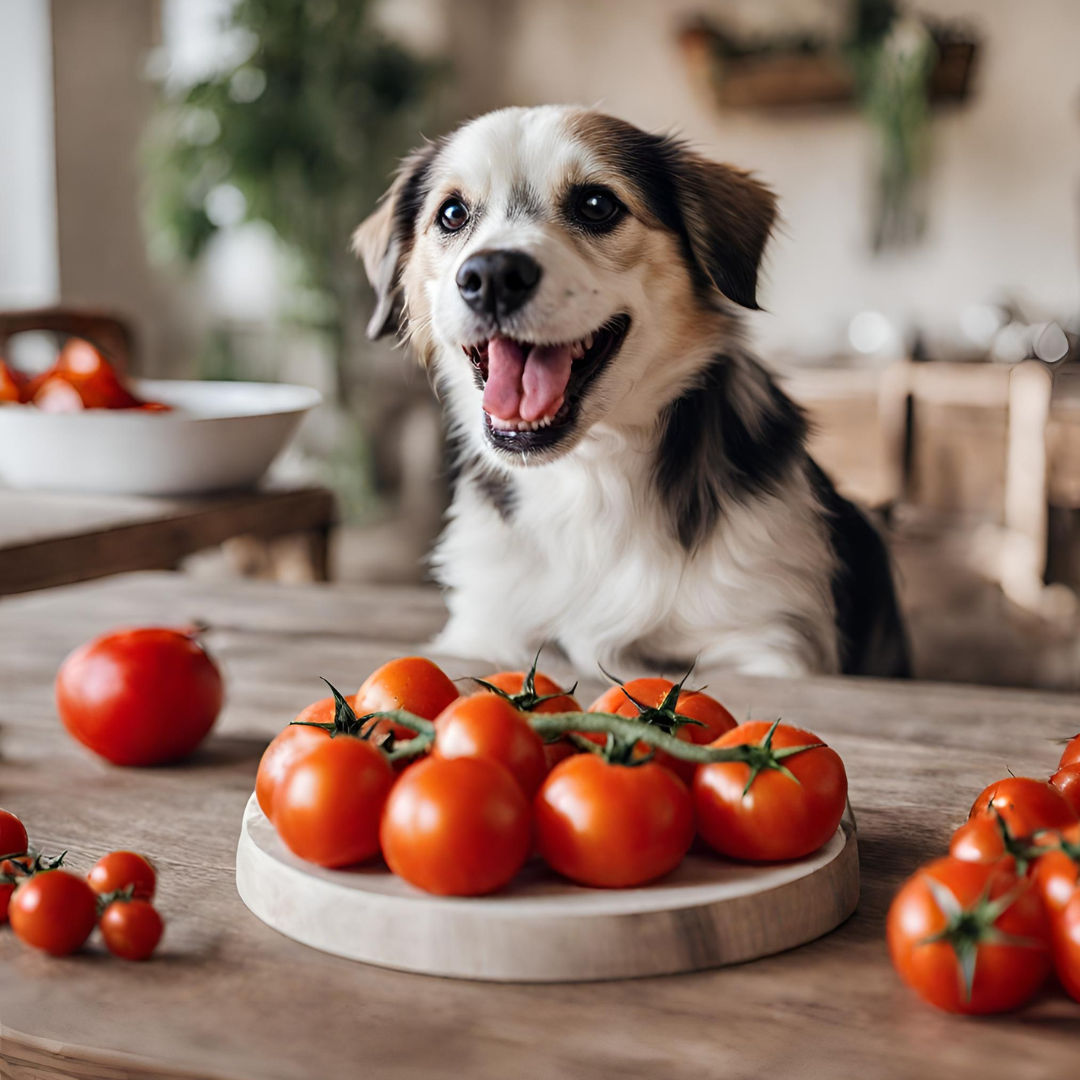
pixel 498 282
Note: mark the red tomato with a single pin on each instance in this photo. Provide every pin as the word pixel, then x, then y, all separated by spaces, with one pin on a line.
pixel 131 929
pixel 289 745
pixel 613 826
pixel 118 870
pixel 12 872
pixel 412 683
pixel 1067 781
pixel 12 385
pixel 969 905
pixel 13 839
pixel 1071 754
pixel 1026 805
pixel 139 697
pixel 713 718
pixel 54 911
pixel 1066 945
pixel 986 838
pixel 513 683
pixel 456 826
pixel 87 375
pixel 775 818
pixel 1056 872
pixel 328 803
pixel 487 726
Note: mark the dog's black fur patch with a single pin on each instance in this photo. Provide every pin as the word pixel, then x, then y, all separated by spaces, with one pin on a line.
pixel 472 469
pixel 710 452
pixel 871 631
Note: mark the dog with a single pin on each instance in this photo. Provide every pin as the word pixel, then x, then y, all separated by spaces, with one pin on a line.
pixel 630 482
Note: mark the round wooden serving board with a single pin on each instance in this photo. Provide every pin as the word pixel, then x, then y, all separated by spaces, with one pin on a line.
pixel 706 914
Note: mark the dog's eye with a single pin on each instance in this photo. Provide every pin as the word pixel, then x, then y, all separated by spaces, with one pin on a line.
pixel 453 214
pixel 597 206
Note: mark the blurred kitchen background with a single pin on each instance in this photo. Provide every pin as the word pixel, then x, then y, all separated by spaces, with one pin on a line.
pixel 196 167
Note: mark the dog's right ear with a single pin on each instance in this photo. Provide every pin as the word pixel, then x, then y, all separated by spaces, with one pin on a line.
pixel 385 238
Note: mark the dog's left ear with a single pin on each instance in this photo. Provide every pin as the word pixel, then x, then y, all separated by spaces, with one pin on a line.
pixel 385 238
pixel 728 217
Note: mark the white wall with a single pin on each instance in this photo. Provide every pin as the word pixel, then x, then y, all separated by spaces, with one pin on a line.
pixel 29 274
pixel 1006 185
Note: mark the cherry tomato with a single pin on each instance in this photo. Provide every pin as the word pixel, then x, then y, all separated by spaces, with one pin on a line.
pixel 81 379
pixel 966 907
pixel 289 745
pixel 1067 781
pixel 487 726
pixel 13 839
pixel 12 872
pixel 139 697
pixel 1071 754
pixel 131 929
pixel 1056 872
pixel 1026 805
pixel 54 911
pixel 118 870
pixel 1065 937
pixel 613 826
pixel 765 816
pixel 713 718
pixel 12 385
pixel 513 683
pixel 327 805
pixel 456 826
pixel 986 838
pixel 412 683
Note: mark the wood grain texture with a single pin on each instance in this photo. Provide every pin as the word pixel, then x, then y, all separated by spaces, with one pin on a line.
pixel 49 539
pixel 542 928
pixel 230 998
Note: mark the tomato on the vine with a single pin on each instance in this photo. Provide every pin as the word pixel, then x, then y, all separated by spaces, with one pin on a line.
pixel 13 838
pixel 987 838
pixel 289 745
pixel 120 870
pixel 969 937
pixel 140 697
pixel 1026 805
pixel 456 826
pixel 54 911
pixel 131 929
pixel 412 683
pixel 1066 945
pixel 664 703
pixel 533 691
pixel 1067 781
pixel 327 804
pixel 488 726
pixel 612 825
pixel 1057 870
pixel 784 802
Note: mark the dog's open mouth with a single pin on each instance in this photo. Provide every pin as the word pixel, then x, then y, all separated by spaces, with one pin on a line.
pixel 532 392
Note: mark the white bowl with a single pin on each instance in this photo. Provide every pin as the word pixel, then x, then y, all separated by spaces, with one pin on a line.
pixel 221 435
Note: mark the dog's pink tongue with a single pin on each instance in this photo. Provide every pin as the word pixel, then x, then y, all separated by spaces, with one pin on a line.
pixel 547 371
pixel 502 391
pixel 525 387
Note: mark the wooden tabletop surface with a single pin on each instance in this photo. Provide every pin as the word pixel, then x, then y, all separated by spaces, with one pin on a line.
pixel 55 538
pixel 229 998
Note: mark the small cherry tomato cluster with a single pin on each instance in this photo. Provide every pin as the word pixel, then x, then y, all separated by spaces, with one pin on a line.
pixel 56 911
pixel 80 379
pixel 456 791
pixel 979 930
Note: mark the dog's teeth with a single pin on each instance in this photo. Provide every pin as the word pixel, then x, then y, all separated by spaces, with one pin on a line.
pixel 589 339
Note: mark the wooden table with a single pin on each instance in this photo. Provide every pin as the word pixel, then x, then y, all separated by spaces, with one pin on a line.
pixel 229 998
pixel 51 539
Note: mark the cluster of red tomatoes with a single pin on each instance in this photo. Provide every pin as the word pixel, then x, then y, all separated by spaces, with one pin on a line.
pixel 80 379
pixel 979 930
pixel 454 791
pixel 56 911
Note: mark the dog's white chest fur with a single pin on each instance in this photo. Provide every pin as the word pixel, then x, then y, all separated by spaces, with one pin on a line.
pixel 583 555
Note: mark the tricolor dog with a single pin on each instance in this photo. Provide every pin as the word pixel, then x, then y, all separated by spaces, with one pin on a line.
pixel 631 482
